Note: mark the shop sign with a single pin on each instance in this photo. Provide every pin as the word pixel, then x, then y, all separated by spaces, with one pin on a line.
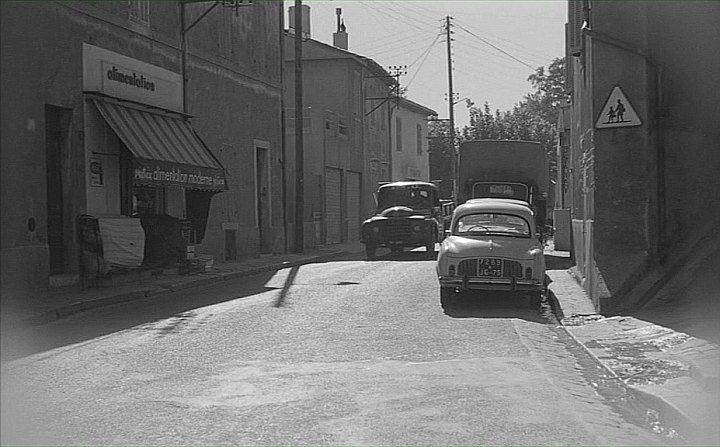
pixel 123 77
pixel 148 172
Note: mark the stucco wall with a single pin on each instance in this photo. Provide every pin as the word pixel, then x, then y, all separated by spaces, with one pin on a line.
pixel 235 93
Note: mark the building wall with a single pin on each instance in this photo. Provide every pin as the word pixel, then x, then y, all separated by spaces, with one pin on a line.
pixel 338 135
pixel 235 97
pixel 409 163
pixel 617 174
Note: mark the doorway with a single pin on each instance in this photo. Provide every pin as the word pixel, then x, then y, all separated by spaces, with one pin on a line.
pixel 262 198
pixel 57 132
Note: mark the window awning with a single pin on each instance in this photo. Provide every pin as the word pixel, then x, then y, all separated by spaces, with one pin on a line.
pixel 167 150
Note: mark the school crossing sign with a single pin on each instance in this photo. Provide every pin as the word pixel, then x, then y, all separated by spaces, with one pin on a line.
pixel 617 112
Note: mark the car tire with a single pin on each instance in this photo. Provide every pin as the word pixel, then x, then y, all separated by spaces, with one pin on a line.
pixel 370 251
pixel 430 248
pixel 448 296
pixel 535 299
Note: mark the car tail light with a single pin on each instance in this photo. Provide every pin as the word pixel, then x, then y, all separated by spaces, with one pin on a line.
pixel 528 273
pixel 451 270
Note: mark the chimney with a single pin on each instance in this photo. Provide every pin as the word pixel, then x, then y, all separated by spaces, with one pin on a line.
pixel 340 37
pixel 305 12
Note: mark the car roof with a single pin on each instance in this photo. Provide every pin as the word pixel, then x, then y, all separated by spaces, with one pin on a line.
pixel 481 199
pixel 509 206
pixel 407 183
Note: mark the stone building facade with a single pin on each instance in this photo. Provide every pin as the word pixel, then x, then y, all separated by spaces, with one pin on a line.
pixel 105 104
pixel 642 182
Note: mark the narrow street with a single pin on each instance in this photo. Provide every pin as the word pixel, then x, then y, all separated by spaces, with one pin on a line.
pixel 347 352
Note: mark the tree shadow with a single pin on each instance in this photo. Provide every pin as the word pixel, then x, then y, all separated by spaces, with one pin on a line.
pixel 21 340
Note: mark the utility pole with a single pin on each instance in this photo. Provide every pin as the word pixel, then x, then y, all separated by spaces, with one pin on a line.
pixel 299 152
pixel 451 103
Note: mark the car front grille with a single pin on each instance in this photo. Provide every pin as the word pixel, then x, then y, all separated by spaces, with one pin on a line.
pixel 471 267
pixel 397 229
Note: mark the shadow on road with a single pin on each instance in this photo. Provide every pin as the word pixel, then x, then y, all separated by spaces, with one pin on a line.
pixel 23 340
pixel 500 305
pixel 414 255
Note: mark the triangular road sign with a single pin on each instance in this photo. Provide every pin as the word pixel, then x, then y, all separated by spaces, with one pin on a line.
pixel 617 112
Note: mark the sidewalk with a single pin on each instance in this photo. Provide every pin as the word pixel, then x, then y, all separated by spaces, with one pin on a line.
pixel 51 303
pixel 671 372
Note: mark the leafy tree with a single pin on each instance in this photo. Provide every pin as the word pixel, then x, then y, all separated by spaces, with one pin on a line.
pixel 440 155
pixel 534 118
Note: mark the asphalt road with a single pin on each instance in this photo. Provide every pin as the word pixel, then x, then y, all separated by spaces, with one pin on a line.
pixel 345 352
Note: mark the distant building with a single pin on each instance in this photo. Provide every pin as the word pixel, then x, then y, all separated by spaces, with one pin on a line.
pixel 410 157
pixel 644 156
pixel 349 104
pixel 138 108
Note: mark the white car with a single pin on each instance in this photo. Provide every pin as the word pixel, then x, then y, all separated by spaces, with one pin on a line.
pixel 492 244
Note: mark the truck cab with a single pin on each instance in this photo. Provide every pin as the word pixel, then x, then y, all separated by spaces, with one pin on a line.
pixel 408 215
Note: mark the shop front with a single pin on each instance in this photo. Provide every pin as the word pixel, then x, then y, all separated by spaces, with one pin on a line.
pixel 150 177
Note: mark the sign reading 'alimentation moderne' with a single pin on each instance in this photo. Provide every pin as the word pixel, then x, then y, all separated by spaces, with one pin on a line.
pixel 176 176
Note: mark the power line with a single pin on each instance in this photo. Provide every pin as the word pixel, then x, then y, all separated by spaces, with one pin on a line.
pixel 497 48
pixel 400 19
pixel 426 53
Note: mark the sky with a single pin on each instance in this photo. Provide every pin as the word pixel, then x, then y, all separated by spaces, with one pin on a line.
pixel 496 45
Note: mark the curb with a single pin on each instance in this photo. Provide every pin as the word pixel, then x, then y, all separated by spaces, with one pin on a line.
pixel 125 297
pixel 668 412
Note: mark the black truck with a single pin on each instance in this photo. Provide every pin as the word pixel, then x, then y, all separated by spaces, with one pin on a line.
pixel 408 215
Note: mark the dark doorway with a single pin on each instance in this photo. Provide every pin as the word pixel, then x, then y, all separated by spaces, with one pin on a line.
pixel 230 245
pixel 57 131
pixel 262 189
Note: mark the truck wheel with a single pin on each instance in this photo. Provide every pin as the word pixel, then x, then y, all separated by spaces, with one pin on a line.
pixel 448 296
pixel 430 248
pixel 370 251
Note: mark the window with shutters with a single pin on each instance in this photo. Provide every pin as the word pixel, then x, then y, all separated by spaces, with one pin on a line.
pixel 398 134
pixel 139 11
pixel 418 136
pixel 578 15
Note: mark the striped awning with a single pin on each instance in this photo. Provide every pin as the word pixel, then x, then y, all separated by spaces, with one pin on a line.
pixel 166 149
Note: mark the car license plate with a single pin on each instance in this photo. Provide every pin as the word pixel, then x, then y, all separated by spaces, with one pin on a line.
pixel 491 267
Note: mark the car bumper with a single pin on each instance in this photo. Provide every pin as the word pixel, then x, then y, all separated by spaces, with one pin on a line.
pixel 501 284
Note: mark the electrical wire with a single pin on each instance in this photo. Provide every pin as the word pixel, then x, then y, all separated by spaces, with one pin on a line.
pixel 496 47
pixel 426 53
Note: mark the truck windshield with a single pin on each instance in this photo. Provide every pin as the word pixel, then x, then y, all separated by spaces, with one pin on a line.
pixel 496 224
pixel 500 191
pixel 412 197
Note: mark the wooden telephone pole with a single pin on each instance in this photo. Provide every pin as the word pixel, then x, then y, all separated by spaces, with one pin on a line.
pixel 451 104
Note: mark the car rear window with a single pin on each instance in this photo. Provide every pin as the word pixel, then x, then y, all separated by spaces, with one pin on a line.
pixel 491 223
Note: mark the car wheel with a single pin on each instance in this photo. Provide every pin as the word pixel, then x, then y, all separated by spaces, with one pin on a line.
pixel 535 299
pixel 370 251
pixel 448 296
pixel 430 248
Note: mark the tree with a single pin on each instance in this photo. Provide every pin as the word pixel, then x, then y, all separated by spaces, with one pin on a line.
pixel 534 118
pixel 440 155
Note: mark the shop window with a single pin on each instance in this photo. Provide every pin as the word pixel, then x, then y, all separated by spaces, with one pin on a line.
pixel 148 201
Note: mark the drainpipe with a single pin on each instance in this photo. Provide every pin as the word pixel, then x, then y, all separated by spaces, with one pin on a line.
pixel 183 46
pixel 660 237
